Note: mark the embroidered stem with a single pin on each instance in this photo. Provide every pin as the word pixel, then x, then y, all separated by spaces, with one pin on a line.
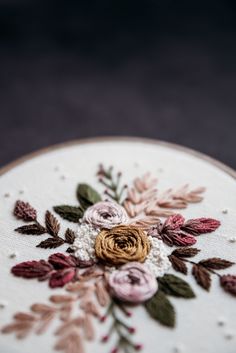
pixel 111 183
pixel 120 328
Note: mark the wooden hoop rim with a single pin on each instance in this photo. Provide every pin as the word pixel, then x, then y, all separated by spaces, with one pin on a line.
pixel 170 145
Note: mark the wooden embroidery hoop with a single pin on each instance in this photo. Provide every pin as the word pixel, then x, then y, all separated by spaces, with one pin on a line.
pixel 174 146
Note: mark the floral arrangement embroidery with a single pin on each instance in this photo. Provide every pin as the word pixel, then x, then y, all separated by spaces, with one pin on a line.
pixel 119 256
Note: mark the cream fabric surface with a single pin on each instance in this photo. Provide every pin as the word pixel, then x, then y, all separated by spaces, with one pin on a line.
pixel 51 178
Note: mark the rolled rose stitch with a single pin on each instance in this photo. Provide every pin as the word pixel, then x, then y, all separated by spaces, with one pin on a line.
pixel 132 283
pixel 105 214
pixel 122 244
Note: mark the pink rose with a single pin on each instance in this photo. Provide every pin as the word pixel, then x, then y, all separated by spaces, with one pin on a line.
pixel 105 214
pixel 132 283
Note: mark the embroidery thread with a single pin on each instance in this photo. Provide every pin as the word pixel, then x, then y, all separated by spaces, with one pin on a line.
pixel 119 256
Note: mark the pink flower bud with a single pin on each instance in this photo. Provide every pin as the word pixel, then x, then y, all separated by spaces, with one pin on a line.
pixel 103 318
pixel 138 347
pixel 105 338
pixel 132 330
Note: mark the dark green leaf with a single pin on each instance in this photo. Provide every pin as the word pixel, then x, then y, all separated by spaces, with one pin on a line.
pixel 173 285
pixel 87 196
pixel 70 213
pixel 161 309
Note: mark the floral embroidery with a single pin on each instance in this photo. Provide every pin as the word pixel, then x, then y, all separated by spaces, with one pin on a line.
pixel 122 244
pixel 120 254
pixel 133 282
pixel 105 214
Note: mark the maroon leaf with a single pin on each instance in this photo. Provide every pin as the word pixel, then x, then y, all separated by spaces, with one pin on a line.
pixel 69 236
pixel 61 277
pixel 200 226
pixel 32 269
pixel 178 264
pixel 202 276
pixel 228 283
pixel 61 261
pixel 173 222
pixel 51 243
pixel 216 263
pixel 52 224
pixel 23 210
pixel 177 238
pixel 31 229
pixel 185 252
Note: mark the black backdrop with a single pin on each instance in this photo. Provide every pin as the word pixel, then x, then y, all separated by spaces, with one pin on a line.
pixel 159 69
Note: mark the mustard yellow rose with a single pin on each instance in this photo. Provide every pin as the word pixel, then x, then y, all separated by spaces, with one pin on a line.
pixel 122 244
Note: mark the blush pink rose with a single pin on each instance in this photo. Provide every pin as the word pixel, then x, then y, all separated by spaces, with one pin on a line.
pixel 132 283
pixel 105 214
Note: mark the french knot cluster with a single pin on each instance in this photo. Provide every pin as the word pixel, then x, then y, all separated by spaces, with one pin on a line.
pixel 122 244
pixel 23 210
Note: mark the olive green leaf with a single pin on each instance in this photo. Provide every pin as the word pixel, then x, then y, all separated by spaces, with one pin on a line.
pixel 70 213
pixel 87 196
pixel 160 308
pixel 175 286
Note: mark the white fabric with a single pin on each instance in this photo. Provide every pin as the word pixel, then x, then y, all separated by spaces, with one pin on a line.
pixel 50 179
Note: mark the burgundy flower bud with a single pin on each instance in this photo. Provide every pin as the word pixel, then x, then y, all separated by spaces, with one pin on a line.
pixel 228 282
pixel 138 347
pixel 23 210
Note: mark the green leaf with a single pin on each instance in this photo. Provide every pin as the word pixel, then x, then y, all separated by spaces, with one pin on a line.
pixel 70 213
pixel 87 196
pixel 175 286
pixel 160 308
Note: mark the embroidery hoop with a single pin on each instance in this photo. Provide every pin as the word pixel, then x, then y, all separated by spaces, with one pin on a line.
pixel 230 171
pixel 171 146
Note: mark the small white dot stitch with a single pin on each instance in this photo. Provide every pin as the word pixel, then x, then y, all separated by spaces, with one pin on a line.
pixel 6 195
pixel 21 192
pixel 56 168
pixel 3 304
pixel 232 239
pixel 229 335
pixel 13 255
pixel 178 348
pixel 221 321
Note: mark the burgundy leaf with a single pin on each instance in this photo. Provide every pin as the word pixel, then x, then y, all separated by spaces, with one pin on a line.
pixel 216 263
pixel 52 224
pixel 200 226
pixel 177 238
pixel 61 261
pixel 23 210
pixel 51 243
pixel 32 269
pixel 69 236
pixel 178 264
pixel 173 222
pixel 228 283
pixel 31 229
pixel 202 276
pixel 62 277
pixel 185 252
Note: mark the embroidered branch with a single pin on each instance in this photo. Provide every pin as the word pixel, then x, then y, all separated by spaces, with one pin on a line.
pixel 111 182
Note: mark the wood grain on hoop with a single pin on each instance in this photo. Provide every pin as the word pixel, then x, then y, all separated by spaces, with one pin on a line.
pixel 169 145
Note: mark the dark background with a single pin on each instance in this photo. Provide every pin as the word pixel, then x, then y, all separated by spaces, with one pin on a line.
pixel 161 69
